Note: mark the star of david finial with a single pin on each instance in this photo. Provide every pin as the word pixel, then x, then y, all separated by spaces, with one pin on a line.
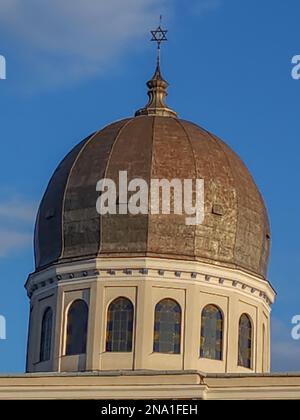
pixel 159 35
pixel 157 85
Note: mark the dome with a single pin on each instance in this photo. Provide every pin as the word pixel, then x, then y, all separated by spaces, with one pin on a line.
pixel 155 144
pixel 235 231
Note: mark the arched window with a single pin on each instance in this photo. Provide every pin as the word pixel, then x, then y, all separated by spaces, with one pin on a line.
pixel 119 326
pixel 46 335
pixel 167 327
pixel 77 326
pixel 245 342
pixel 211 346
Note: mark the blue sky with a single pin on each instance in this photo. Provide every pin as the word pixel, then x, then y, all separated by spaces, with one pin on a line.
pixel 74 66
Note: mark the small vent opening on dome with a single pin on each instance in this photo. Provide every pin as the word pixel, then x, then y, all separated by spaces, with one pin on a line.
pixel 218 210
pixel 50 214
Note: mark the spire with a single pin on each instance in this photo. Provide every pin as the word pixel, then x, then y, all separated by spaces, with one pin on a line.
pixel 157 85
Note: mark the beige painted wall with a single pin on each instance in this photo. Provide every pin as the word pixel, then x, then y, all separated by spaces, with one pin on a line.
pixel 99 282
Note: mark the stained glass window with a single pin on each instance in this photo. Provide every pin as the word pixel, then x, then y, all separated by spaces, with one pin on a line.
pixel 120 326
pixel 245 342
pixel 211 346
pixel 167 327
pixel 77 326
pixel 46 335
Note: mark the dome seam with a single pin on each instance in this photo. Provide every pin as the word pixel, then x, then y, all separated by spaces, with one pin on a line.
pixel 180 123
pixel 237 195
pixel 127 122
pixel 150 177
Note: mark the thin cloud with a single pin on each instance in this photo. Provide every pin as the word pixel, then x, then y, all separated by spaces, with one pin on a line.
pixel 10 242
pixel 16 225
pixel 75 39
pixel 200 7
pixel 17 210
pixel 68 41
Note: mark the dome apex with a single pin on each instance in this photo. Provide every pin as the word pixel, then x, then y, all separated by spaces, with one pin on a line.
pixel 157 94
pixel 157 85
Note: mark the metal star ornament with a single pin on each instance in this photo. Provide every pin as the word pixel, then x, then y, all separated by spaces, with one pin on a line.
pixel 159 35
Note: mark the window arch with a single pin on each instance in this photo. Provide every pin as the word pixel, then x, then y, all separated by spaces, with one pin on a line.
pixel 211 346
pixel 119 330
pixel 77 324
pixel 245 342
pixel 167 327
pixel 46 335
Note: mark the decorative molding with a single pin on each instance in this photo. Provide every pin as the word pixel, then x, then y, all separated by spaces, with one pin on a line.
pixel 35 284
pixel 111 272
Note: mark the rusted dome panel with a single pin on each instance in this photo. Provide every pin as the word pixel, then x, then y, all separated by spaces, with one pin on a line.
pixel 252 231
pixel 126 235
pixel 81 222
pixel 48 230
pixel 173 158
pixel 215 238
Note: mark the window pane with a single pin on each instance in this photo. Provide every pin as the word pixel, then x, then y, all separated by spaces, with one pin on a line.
pixel 120 326
pixel 211 346
pixel 167 327
pixel 46 336
pixel 245 342
pixel 77 328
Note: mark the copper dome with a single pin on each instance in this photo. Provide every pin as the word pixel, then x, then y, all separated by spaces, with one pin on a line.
pixel 235 232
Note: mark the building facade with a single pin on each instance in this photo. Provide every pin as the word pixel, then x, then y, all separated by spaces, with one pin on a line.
pixel 137 292
pixel 146 305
